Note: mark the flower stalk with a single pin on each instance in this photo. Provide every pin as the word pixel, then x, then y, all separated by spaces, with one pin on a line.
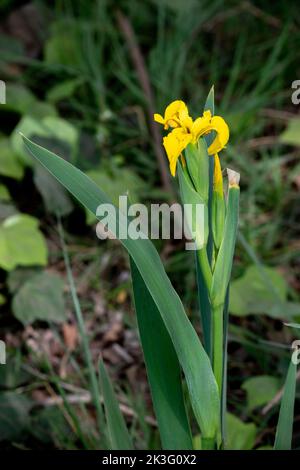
pixel 188 139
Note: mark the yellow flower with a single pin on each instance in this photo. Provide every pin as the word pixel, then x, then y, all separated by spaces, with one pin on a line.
pixel 175 142
pixel 175 114
pixel 186 131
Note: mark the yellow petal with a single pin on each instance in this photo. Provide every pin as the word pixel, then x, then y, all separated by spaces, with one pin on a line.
pixel 158 118
pixel 174 109
pixel 219 125
pixel 201 125
pixel 174 143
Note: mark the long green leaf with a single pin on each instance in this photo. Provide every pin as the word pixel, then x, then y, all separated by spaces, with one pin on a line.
pixel 191 355
pixel 284 431
pixel 203 296
pixel 162 368
pixel 210 106
pixel 117 430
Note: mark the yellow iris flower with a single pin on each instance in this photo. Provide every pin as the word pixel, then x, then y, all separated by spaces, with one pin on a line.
pixel 186 131
pixel 175 114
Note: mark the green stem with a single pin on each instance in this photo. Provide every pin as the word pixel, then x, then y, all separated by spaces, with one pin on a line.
pixel 205 267
pixel 218 344
pixel 208 444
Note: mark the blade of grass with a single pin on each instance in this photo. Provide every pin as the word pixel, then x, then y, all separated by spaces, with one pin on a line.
pixel 68 412
pixel 95 392
pixel 284 431
pixel 194 361
pixel 117 429
pixel 162 368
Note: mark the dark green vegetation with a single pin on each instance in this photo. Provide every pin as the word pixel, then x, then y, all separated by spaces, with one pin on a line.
pixel 75 84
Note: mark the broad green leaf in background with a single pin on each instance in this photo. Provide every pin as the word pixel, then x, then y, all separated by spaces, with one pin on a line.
pixel 117 429
pixel 49 126
pixel 240 435
pixel 56 199
pixel 19 276
pixel 261 290
pixel 10 165
pixel 114 182
pixel 284 431
pixel 40 298
pixel 19 98
pixel 260 390
pixel 163 369
pixel 6 205
pixel 4 193
pixel 21 242
pixel 7 209
pixel 291 135
pixel 192 357
pixel 41 110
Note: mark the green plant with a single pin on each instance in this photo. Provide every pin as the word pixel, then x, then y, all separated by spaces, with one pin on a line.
pixel 161 316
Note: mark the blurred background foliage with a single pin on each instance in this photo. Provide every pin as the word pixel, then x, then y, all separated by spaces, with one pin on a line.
pixel 83 78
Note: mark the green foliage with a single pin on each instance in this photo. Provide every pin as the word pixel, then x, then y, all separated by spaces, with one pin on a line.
pixel 90 76
pixel 14 420
pixel 47 127
pixel 240 435
pixel 190 196
pixel 19 98
pixel 9 163
pixel 117 430
pixel 63 90
pixel 163 369
pixel 192 357
pixel 291 134
pixel 260 390
pixel 21 242
pixel 115 181
pixel 284 431
pixel 56 200
pixel 4 193
pixel 40 298
pixel 261 290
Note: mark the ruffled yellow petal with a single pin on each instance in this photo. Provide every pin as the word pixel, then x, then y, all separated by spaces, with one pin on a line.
pixel 219 125
pixel 174 143
pixel 175 114
pixel 201 125
pixel 174 109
